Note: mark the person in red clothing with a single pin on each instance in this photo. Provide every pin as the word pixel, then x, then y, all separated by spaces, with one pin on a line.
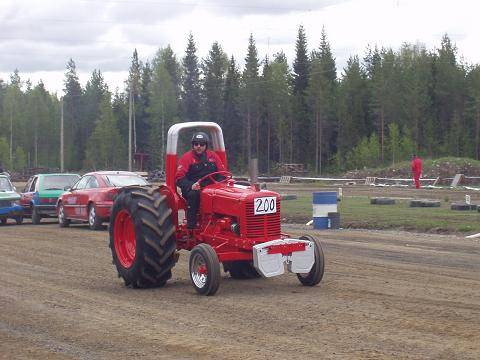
pixel 416 170
pixel 194 165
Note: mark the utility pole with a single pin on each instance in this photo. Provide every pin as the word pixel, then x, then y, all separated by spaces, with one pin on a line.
pixel 11 136
pixel 134 127
pixel 61 137
pixel 130 129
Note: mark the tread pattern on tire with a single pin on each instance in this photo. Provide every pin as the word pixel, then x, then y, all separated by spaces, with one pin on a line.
pixel 155 242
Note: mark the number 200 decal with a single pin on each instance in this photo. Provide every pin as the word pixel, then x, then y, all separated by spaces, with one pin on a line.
pixel 265 205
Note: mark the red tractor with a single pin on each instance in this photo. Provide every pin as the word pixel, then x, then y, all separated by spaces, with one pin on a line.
pixel 239 226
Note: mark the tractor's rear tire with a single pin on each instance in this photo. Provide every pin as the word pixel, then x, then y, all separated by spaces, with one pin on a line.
pixel 142 237
pixel 315 275
pixel 204 269
pixel 241 269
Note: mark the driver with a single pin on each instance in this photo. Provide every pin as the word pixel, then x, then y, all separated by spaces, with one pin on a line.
pixel 194 165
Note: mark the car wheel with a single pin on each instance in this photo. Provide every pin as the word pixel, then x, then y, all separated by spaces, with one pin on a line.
pixel 62 220
pixel 94 222
pixel 35 216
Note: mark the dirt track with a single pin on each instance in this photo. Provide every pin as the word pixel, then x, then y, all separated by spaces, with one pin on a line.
pixel 384 295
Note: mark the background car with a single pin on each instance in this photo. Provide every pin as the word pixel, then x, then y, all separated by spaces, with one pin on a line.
pixel 9 201
pixel 39 198
pixel 91 198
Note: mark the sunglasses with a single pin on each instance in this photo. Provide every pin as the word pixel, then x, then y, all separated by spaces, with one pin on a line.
pixel 198 144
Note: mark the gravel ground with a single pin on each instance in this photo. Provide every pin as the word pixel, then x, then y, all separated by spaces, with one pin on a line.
pixel 385 294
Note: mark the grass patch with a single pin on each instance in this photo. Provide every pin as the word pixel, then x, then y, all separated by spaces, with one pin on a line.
pixel 357 212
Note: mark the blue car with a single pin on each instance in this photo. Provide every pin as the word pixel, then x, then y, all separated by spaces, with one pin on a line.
pixel 9 201
pixel 39 198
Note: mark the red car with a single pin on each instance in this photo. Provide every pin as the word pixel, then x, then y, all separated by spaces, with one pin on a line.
pixel 90 199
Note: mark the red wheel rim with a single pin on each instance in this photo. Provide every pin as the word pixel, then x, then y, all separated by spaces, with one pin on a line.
pixel 124 238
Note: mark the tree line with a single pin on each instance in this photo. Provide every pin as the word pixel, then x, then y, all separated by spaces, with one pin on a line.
pixel 379 110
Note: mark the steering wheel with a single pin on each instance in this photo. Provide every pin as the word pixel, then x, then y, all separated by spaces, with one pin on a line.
pixel 227 176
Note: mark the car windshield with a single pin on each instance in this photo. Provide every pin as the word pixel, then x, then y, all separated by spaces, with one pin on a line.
pixel 58 182
pixel 5 184
pixel 118 180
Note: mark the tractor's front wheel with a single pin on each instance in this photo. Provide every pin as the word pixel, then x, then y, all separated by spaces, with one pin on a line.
pixel 204 269
pixel 315 275
pixel 142 237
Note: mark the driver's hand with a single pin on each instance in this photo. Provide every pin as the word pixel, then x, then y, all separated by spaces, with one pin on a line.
pixel 196 186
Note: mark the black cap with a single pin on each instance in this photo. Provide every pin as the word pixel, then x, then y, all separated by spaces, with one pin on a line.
pixel 200 137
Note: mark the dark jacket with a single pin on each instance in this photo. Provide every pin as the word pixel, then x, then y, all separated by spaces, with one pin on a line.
pixel 192 167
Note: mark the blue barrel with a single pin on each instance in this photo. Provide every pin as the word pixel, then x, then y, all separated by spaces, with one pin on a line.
pixel 324 202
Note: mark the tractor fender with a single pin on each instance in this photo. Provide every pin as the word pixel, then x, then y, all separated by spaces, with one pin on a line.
pixel 174 201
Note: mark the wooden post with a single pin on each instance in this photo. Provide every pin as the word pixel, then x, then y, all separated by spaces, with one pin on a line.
pixel 61 137
pixel 253 170
pixel 130 129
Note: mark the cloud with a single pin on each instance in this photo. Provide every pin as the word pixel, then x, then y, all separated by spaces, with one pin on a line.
pixel 271 7
pixel 147 12
pixel 39 37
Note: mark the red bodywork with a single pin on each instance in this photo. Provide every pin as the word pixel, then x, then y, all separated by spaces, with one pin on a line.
pixel 222 205
pixel 92 189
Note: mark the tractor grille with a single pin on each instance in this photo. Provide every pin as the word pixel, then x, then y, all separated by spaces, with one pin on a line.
pixel 263 226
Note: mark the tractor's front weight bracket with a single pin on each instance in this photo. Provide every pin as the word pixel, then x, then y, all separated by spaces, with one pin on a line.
pixel 269 258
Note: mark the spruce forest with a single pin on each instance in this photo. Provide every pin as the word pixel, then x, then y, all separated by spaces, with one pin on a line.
pixel 378 110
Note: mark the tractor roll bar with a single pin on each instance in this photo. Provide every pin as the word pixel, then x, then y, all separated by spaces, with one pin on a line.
pixel 212 128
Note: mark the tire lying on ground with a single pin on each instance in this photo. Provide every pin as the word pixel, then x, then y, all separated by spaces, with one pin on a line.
pixel 431 203
pixel 460 206
pixel 142 237
pixel 382 201
pixel 288 197
pixel 415 203
pixel 425 203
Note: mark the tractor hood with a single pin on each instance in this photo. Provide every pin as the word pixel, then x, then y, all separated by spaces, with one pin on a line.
pixel 232 199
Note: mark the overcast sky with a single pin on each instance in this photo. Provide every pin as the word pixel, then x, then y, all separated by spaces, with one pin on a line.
pixel 38 37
